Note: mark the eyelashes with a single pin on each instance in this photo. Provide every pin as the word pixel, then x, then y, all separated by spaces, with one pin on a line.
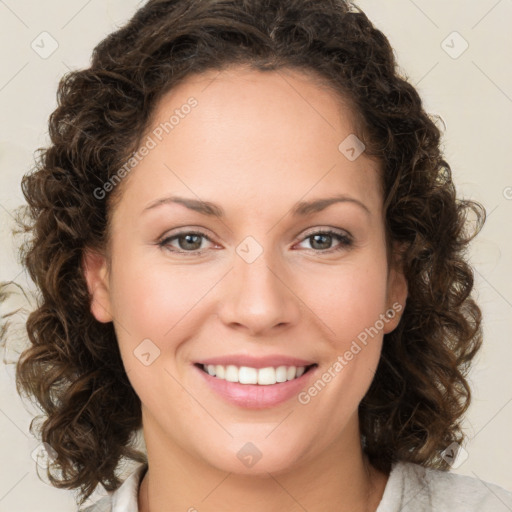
pixel 343 239
pixel 182 235
pixel 193 237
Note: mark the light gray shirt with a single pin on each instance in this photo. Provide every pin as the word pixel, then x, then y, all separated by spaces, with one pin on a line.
pixel 410 488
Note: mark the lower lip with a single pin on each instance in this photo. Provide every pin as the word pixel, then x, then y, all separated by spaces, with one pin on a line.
pixel 255 396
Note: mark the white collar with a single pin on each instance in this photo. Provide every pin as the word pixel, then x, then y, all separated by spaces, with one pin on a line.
pixel 125 498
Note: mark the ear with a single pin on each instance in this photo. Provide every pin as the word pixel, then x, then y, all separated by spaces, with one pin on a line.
pixel 95 271
pixel 396 292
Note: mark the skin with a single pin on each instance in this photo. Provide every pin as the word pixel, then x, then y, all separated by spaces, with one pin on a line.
pixel 256 144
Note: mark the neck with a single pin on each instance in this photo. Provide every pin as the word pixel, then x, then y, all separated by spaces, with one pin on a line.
pixel 340 478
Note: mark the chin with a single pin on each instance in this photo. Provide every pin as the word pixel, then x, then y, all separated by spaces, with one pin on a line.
pixel 250 459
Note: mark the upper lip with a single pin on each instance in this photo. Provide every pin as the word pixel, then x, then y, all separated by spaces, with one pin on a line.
pixel 256 362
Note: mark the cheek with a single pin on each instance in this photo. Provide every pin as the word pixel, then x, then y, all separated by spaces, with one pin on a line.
pixel 348 303
pixel 152 305
pixel 348 298
pixel 156 307
pixel 150 299
pixel 350 316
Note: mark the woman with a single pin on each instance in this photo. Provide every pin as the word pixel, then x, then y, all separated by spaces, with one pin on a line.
pixel 249 246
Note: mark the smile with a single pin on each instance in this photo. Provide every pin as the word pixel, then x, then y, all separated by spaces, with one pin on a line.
pixel 261 376
pixel 270 393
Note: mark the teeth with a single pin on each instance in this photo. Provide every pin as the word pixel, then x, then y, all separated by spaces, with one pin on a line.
pixel 281 374
pixel 247 375
pixel 261 376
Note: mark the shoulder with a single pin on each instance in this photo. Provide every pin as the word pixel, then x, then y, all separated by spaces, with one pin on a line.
pixel 124 498
pixel 412 487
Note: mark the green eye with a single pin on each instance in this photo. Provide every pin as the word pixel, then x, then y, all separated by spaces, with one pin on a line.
pixel 189 242
pixel 189 246
pixel 318 237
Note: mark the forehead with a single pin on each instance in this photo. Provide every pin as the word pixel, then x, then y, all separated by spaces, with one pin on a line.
pixel 269 136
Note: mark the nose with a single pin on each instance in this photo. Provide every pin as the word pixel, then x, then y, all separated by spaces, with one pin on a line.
pixel 258 297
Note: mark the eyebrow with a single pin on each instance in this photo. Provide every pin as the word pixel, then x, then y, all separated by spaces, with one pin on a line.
pixel 300 209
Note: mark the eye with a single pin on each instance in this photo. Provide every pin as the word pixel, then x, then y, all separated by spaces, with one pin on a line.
pixel 188 242
pixel 322 239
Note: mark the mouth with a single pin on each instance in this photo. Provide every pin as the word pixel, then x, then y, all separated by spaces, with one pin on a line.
pixel 256 388
pixel 246 375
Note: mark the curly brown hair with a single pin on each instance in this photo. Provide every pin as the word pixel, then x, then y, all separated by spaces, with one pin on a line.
pixel 73 367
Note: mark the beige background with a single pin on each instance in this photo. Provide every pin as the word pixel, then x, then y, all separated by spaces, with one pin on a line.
pixel 472 93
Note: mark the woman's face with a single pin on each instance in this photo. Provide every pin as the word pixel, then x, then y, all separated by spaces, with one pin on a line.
pixel 261 280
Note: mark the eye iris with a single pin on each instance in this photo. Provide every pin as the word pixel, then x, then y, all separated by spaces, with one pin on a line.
pixel 314 237
pixel 188 237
